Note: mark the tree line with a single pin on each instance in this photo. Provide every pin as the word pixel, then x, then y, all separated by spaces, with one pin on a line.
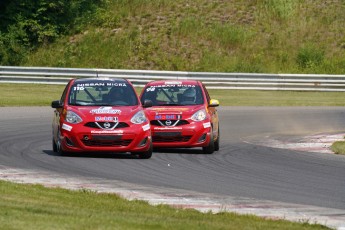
pixel 28 24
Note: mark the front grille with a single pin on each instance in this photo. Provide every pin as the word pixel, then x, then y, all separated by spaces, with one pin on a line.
pixel 180 122
pixel 156 138
pixel 102 143
pixel 95 126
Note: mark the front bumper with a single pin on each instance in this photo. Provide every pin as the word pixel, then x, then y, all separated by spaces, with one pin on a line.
pixel 195 134
pixel 136 138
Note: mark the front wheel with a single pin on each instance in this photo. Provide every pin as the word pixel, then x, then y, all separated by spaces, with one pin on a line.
pixel 210 148
pixel 146 154
pixel 216 143
pixel 58 146
pixel 55 148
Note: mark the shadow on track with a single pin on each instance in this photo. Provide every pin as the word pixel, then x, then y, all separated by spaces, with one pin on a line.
pixel 188 151
pixel 179 151
pixel 93 155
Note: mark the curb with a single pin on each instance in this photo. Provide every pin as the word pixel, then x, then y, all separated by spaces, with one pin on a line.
pixel 320 143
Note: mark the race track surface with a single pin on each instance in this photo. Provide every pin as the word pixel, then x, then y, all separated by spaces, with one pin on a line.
pixel 238 169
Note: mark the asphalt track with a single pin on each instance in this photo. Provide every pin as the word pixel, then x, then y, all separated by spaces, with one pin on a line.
pixel 238 169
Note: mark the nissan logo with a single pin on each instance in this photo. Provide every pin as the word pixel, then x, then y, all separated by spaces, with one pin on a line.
pixel 106 125
pixel 167 122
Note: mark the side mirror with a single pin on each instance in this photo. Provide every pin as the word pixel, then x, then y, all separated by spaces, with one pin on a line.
pixel 56 104
pixel 214 103
pixel 147 103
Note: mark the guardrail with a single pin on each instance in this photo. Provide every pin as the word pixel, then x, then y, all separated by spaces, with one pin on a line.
pixel 245 81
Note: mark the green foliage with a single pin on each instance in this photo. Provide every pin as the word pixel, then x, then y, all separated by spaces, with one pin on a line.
pixel 29 24
pixel 309 57
pixel 281 9
pixel 285 36
pixel 14 46
pixel 229 35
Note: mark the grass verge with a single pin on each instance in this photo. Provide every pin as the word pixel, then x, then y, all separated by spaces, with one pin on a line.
pixel 37 207
pixel 42 95
pixel 29 94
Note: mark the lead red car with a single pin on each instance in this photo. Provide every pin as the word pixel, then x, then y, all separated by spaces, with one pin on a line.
pixel 96 114
pixel 182 115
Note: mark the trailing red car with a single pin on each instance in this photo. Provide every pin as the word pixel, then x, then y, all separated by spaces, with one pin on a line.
pixel 182 115
pixel 101 114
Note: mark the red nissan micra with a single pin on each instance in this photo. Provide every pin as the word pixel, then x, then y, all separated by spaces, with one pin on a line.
pixel 101 114
pixel 182 115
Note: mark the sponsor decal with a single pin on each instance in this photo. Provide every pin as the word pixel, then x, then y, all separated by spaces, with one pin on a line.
pixel 146 127
pixel 207 125
pixel 101 84
pixel 78 88
pixel 167 117
pixel 109 119
pixel 106 131
pixel 152 87
pixel 67 127
pixel 168 109
pixel 82 86
pixel 105 110
pixel 166 128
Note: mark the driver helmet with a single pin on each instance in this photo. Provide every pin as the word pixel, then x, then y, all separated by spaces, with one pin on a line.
pixel 116 93
pixel 189 94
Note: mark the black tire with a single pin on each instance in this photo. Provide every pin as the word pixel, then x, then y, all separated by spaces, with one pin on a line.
pixel 147 154
pixel 210 148
pixel 216 143
pixel 55 148
pixel 58 146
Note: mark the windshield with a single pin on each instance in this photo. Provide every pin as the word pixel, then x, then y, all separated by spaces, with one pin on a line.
pixel 162 95
pixel 102 92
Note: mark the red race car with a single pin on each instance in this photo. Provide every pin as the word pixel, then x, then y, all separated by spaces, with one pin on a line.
pixel 182 115
pixel 101 114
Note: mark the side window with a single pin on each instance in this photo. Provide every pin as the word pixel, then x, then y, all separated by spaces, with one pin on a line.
pixel 206 93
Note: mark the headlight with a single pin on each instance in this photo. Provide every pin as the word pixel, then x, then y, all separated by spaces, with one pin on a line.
pixel 73 118
pixel 199 116
pixel 139 118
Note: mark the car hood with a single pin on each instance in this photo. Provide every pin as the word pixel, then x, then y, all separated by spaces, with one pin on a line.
pixel 185 111
pixel 102 113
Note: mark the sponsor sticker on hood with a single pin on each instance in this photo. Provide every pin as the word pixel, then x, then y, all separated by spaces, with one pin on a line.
pixel 105 110
pixel 170 109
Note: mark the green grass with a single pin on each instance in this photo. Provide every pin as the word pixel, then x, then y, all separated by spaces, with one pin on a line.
pixel 43 95
pixel 29 94
pixel 277 98
pixel 266 36
pixel 36 207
